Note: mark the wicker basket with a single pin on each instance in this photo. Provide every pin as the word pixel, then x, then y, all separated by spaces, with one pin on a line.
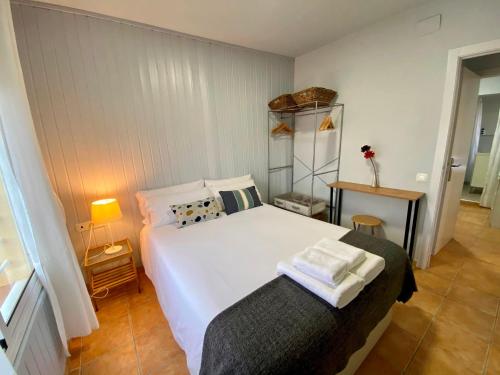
pixel 308 97
pixel 282 102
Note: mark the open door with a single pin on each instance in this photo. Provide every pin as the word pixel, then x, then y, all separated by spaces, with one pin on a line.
pixel 457 163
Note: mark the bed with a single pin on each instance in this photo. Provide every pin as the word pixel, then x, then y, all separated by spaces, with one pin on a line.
pixel 201 270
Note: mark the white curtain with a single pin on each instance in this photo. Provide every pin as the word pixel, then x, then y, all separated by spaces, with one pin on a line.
pixel 492 178
pixel 43 229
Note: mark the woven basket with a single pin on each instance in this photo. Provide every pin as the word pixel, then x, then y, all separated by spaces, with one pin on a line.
pixel 308 97
pixel 282 102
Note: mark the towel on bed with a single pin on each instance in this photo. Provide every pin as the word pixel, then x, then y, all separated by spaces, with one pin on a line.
pixel 352 255
pixel 312 336
pixel 320 265
pixel 338 296
pixel 370 268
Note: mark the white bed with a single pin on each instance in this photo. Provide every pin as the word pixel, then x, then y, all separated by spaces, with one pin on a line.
pixel 200 270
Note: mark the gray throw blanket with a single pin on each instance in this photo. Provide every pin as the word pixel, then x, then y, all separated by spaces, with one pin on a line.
pixel 283 328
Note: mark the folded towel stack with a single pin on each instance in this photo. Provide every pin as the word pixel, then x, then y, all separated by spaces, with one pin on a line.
pixel 352 255
pixel 320 265
pixel 340 296
pixel 333 270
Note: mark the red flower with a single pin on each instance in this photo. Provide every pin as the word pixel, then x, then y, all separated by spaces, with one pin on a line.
pixel 369 154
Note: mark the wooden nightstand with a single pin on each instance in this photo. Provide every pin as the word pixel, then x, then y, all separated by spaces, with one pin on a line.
pixel 105 271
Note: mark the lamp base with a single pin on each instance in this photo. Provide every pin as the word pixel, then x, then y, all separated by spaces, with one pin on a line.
pixel 113 249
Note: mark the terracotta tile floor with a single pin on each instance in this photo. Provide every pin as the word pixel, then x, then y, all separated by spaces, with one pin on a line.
pixel 451 326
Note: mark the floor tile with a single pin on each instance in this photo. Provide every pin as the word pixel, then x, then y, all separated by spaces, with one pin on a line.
pixel 480 275
pixel 425 300
pixel 431 282
pixel 153 360
pixel 75 349
pixel 490 234
pixel 412 319
pixel 112 333
pixel 147 295
pixel 176 366
pixel 146 318
pixel 445 268
pixel 436 361
pixel 391 353
pixel 470 319
pixel 112 308
pixel 482 301
pixel 494 360
pixel 374 364
pixel 496 332
pixel 121 361
pixel 470 350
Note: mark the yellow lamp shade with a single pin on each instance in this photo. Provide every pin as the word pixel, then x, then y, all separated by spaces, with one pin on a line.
pixel 105 210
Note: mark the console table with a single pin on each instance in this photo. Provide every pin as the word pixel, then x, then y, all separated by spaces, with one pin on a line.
pixel 410 196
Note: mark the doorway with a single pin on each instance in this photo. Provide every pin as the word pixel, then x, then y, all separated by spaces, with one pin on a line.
pixel 473 167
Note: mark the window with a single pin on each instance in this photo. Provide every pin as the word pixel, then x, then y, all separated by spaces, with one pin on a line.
pixel 15 265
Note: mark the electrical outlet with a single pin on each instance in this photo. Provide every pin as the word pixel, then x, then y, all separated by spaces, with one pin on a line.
pixel 83 226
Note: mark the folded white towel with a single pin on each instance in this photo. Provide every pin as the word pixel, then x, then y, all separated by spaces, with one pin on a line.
pixel 370 268
pixel 352 255
pixel 339 297
pixel 320 265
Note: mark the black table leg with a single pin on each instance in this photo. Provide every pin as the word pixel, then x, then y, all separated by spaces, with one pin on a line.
pixel 338 208
pixel 414 228
pixel 407 226
pixel 330 218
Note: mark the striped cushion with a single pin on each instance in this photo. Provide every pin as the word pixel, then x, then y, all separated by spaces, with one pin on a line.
pixel 239 200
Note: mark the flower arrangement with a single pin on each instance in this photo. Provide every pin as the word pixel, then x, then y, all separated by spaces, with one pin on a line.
pixel 369 154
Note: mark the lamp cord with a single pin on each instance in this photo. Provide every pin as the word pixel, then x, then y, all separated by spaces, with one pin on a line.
pixel 91 231
pixel 95 294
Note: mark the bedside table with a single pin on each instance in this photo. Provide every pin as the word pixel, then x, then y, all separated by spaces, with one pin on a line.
pixel 105 271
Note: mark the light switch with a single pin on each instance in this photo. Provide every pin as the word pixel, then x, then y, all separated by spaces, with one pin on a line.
pixel 422 177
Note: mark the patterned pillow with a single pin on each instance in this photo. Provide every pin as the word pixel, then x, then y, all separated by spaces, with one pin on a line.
pixel 195 212
pixel 239 200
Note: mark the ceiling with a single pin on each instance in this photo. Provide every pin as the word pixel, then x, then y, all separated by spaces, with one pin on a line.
pixel 484 65
pixel 286 27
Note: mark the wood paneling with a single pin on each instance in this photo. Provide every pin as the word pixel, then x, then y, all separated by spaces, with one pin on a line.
pixel 120 108
pixel 41 352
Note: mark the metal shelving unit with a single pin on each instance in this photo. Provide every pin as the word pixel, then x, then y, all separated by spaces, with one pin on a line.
pixel 312 109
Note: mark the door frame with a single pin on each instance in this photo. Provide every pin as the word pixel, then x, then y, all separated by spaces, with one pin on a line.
pixel 446 132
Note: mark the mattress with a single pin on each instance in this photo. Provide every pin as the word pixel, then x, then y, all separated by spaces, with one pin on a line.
pixel 200 270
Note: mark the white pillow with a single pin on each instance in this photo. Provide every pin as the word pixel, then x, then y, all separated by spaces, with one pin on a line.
pixel 159 210
pixel 143 195
pixel 228 181
pixel 235 186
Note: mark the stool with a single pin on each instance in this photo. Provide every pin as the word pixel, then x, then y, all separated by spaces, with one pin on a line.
pixel 366 220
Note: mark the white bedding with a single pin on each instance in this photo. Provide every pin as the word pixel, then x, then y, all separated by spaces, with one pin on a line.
pixel 200 270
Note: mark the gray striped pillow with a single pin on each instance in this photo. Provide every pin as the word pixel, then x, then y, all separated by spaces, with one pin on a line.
pixel 239 200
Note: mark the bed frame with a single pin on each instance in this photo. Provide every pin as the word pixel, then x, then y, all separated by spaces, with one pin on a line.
pixel 360 355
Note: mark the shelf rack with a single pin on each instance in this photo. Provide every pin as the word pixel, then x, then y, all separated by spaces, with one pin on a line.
pixel 307 109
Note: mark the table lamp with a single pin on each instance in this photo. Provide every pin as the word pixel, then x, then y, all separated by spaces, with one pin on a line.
pixel 105 211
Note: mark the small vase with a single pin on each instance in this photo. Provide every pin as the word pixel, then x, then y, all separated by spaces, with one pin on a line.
pixel 375 182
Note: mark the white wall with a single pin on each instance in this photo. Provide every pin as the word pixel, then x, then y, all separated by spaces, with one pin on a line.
pixel 391 82
pixel 120 108
pixel 489 120
pixel 489 85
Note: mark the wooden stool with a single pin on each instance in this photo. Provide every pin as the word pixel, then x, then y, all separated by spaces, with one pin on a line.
pixel 367 220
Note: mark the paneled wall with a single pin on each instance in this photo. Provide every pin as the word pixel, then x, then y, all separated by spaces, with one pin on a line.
pixel 41 351
pixel 120 107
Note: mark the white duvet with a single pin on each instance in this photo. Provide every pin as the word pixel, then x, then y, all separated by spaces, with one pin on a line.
pixel 200 270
